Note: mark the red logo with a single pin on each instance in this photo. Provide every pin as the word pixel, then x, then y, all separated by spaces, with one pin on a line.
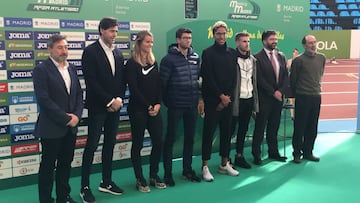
pixel 25 149
pixel 3 87
pixel 123 136
pixel 80 141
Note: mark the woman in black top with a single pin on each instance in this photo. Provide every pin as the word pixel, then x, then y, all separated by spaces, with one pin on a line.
pixel 144 108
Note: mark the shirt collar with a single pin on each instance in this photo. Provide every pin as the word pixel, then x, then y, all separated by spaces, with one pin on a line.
pixel 104 46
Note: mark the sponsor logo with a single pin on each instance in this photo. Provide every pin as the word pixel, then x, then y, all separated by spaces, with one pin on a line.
pixel 46 23
pixel 97 158
pixel 147 142
pixel 74 24
pixel 5 151
pixel 20 74
pixel 124 118
pixel 4 110
pixel 80 141
pixel 91 24
pixel 5 163
pixel 26 160
pixel 2 55
pixel 145 151
pixel 19 55
pixel 121 155
pixel 248 10
pixel 76 45
pixel 22 99
pixel 4 120
pixel 40 45
pixel 18 22
pixel 79 152
pixel 124 126
pixel 137 26
pixel 2 46
pixel 20 64
pixel 1 22
pixel 43 35
pixel 23 118
pixel 74 36
pixel 123 136
pixel 23 108
pixel 27 170
pixel 3 100
pixel 41 54
pixel 22 128
pixel 25 149
pixel 19 45
pixel 91 36
pixel 23 138
pixel 82 84
pixel 6 173
pixel 5 140
pixel 77 162
pixel 124 25
pixel 21 87
pixel 76 63
pixel 123 37
pixel 56 6
pixel 122 45
pixel 2 65
pixel 4 129
pixel 289 8
pixel 85 114
pixel 79 71
pixel 17 35
pixel 123 146
pixel 326 45
pixel 3 75
pixel 3 87
pixel 75 54
pixel 82 130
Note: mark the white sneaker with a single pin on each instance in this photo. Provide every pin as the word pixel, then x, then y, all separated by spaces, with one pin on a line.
pixel 206 174
pixel 227 169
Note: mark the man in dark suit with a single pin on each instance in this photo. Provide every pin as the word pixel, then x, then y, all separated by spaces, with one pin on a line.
pixel 59 96
pixel 272 83
pixel 103 68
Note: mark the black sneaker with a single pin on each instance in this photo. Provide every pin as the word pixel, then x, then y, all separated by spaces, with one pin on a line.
pixel 141 185
pixel 86 195
pixel 68 199
pixel 240 161
pixel 156 182
pixel 169 181
pixel 191 176
pixel 111 188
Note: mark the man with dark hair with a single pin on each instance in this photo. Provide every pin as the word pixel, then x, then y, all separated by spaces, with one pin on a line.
pixel 246 100
pixel 305 80
pixel 272 80
pixel 218 72
pixel 103 67
pixel 179 72
pixel 59 95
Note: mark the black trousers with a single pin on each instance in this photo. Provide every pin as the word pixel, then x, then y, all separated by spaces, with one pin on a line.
pixel 268 117
pixel 211 120
pixel 57 155
pixel 174 115
pixel 245 110
pixel 97 121
pixel 307 110
pixel 139 122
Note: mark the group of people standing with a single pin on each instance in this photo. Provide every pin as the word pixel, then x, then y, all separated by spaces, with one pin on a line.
pixel 228 87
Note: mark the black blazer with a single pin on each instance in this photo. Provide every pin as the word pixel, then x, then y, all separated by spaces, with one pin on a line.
pixel 55 101
pixel 266 79
pixel 101 85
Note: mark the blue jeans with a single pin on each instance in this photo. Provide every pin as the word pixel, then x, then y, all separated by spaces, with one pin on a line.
pixel 189 116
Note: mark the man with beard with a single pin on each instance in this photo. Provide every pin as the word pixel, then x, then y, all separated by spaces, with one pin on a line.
pixel 246 99
pixel 305 79
pixel 272 80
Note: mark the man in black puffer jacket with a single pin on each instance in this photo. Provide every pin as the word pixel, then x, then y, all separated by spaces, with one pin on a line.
pixel 179 72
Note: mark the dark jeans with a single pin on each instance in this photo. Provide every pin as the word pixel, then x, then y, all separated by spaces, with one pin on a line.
pixel 307 109
pixel 189 116
pixel 246 107
pixel 211 120
pixel 97 121
pixel 139 122
pixel 57 154
pixel 269 116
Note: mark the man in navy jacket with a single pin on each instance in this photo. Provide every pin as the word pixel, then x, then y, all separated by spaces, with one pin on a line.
pixel 59 96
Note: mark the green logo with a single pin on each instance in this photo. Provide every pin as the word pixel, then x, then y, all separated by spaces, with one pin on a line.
pixel 66 6
pixel 3 100
pixel 247 10
pixel 5 140
pixel 19 45
pixel 20 64
pixel 2 34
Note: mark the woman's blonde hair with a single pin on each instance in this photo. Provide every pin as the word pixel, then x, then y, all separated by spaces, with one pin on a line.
pixel 150 58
